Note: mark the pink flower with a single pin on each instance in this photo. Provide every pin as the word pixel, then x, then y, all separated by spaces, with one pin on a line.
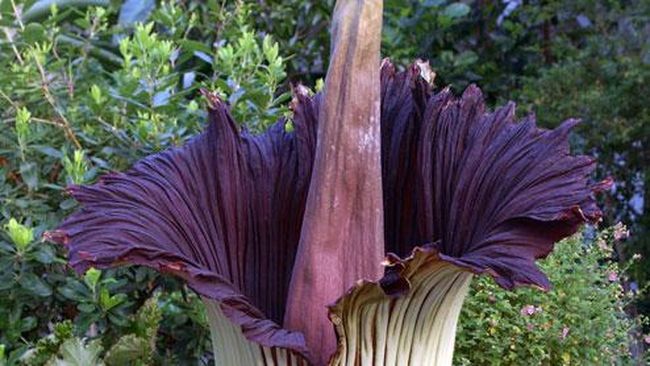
pixel 646 339
pixel 528 310
pixel 612 277
pixel 621 232
pixel 565 332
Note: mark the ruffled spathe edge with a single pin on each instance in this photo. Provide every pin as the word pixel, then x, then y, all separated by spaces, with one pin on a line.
pixel 494 194
pixel 234 305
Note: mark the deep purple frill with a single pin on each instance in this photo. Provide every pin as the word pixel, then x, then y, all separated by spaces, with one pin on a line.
pixel 224 211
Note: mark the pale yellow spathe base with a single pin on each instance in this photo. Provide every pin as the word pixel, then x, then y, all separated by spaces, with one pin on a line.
pixel 415 329
pixel 231 348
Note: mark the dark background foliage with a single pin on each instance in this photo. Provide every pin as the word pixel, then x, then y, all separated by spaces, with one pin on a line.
pixel 86 88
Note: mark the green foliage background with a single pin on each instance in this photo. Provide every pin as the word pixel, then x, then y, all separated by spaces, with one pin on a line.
pixel 580 321
pixel 88 87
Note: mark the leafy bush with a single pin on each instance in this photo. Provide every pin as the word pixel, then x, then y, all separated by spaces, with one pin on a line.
pixel 137 346
pixel 88 90
pixel 580 321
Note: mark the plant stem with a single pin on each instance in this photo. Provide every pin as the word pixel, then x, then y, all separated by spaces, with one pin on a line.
pixel 50 99
pixel 342 237
pixel 46 91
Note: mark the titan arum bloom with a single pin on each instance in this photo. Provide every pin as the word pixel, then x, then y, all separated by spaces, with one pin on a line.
pixel 351 240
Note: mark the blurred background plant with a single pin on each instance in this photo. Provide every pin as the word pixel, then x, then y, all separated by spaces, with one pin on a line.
pixel 90 86
pixel 580 321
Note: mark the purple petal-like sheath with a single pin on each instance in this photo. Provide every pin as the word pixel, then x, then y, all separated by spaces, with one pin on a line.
pixel 492 194
pixel 224 212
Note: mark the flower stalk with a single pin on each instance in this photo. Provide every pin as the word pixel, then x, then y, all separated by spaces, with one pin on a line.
pixel 342 237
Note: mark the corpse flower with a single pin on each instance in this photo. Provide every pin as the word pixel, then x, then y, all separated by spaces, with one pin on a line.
pixel 352 239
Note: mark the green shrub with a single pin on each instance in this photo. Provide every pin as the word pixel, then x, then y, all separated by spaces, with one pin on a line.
pixel 580 321
pixel 89 89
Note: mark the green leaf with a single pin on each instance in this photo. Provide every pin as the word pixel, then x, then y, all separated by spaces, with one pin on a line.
pixel 34 284
pixel 21 235
pixel 466 59
pixel 147 320
pixel 456 10
pixel 49 151
pixel 63 330
pixel 119 319
pixel 128 350
pixel 91 278
pixel 29 173
pixel 6 279
pixel 44 254
pixel 5 6
pixel 107 301
pixel 28 323
pixel 288 127
pixel 34 33
pixel 86 307
pixel 74 290
pixel 74 352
